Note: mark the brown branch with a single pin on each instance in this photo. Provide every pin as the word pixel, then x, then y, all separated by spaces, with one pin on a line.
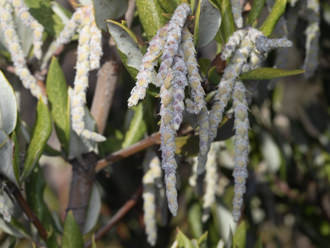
pixel 154 139
pixel 118 216
pixel 81 186
pixel 129 15
pixel 27 210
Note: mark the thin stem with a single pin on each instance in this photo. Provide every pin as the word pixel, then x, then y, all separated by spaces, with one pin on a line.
pixel 118 216
pixel 154 139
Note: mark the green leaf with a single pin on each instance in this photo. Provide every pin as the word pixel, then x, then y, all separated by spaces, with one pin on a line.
pixel 202 238
pixel 137 127
pixel 275 14
pixel 127 46
pixel 108 9
pixel 183 241
pixel 42 11
pixel 228 24
pixel 150 14
pixel 194 220
pixel 255 11
pixel 94 209
pixel 169 5
pixel 35 197
pixel 6 155
pixel 239 239
pixel 58 98
pixel 41 133
pixel 8 106
pixel 72 236
pixel 187 145
pixel 207 23
pixel 269 73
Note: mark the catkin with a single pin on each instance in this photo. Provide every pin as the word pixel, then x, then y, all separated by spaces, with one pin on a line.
pixel 81 83
pixel 210 180
pixel 203 123
pixel 241 144
pixel 237 9
pixel 152 174
pixel 149 61
pixel 197 102
pixel 96 51
pixel 16 51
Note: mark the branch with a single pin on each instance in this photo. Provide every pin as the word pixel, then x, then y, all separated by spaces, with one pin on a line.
pixel 154 139
pixel 118 216
pixel 129 15
pixel 27 210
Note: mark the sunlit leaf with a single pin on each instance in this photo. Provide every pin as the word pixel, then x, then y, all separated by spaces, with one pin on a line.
pixel 8 106
pixel 275 14
pixel 108 9
pixel 72 236
pixel 41 133
pixel 58 98
pixel 150 14
pixel 269 73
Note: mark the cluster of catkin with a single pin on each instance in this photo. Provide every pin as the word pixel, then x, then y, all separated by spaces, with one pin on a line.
pixel 245 50
pixel 178 68
pixel 9 9
pixel 89 53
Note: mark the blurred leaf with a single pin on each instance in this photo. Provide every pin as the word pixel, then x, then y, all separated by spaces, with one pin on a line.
pixel 41 133
pixel 58 97
pixel 108 9
pixel 239 239
pixel 183 241
pixel 257 6
pixel 213 76
pixel 93 242
pixel 275 14
pixel 187 145
pixel 202 238
pixel 169 5
pixel 72 236
pixel 224 221
pixel 194 220
pixel 43 13
pixel 6 155
pixel 128 49
pixel 10 229
pixel 228 24
pixel 150 14
pixel 271 153
pixel 207 22
pixel 16 160
pixel 8 106
pixel 94 209
pixel 269 73
pixel 137 127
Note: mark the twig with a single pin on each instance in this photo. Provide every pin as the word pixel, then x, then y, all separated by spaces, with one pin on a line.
pixel 154 139
pixel 118 216
pixel 129 16
pixel 27 210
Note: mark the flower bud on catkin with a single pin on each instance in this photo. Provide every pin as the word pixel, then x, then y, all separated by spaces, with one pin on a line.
pixel 16 51
pixel 153 173
pixel 197 102
pixel 23 13
pixel 237 9
pixel 149 61
pixel 210 180
pixel 241 143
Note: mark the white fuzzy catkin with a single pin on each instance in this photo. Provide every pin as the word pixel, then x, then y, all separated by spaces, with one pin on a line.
pixel 210 180
pixel 81 81
pixel 167 129
pixel 197 102
pixel 66 34
pixel 237 9
pixel 149 61
pixel 23 13
pixel 241 144
pixel 152 174
pixel 96 51
pixel 16 51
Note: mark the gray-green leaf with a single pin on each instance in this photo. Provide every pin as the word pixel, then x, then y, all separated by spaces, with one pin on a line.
pixel 94 209
pixel 8 106
pixel 108 9
pixel 72 236
pixel 6 155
